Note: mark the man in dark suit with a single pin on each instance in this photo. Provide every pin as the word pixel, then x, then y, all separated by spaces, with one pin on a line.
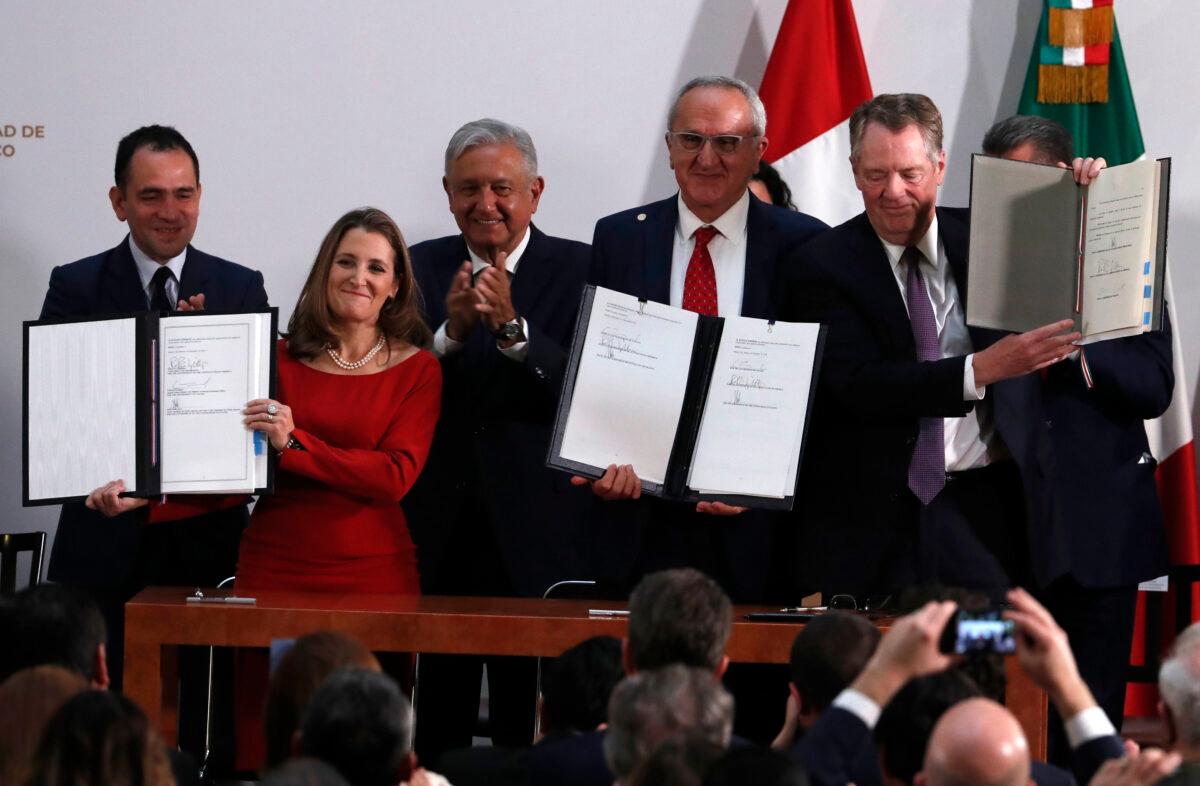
pixel 925 461
pixel 712 248
pixel 113 546
pixel 1106 530
pixel 501 297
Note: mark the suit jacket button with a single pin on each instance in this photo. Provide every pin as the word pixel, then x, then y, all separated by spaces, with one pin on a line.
pixel 540 373
pixel 1049 423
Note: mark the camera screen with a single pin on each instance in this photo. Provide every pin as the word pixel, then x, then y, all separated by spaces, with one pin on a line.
pixel 984 631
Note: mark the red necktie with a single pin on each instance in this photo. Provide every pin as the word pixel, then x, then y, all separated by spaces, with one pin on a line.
pixel 700 281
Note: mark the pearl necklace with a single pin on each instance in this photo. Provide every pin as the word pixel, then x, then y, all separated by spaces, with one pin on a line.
pixel 364 360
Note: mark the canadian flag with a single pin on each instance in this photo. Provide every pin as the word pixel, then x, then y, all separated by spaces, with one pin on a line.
pixel 815 78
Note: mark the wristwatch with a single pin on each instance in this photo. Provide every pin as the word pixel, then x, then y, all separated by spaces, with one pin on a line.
pixel 510 331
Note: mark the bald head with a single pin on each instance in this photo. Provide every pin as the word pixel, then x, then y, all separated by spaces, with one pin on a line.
pixel 976 742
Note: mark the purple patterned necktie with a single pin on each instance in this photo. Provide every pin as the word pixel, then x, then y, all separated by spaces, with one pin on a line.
pixel 927 469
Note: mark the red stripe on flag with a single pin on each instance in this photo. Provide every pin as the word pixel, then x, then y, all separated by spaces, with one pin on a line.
pixel 1096 54
pixel 1176 478
pixel 816 75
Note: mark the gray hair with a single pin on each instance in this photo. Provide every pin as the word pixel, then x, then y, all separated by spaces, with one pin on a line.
pixel 675 703
pixel 678 616
pixel 758 113
pixel 895 112
pixel 1179 684
pixel 489 131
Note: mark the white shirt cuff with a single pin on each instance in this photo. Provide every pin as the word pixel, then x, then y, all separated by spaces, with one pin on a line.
pixel 1088 725
pixel 859 704
pixel 520 350
pixel 444 345
pixel 970 392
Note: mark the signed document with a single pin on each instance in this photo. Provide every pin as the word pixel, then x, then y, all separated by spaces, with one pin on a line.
pixel 1044 248
pixel 703 408
pixel 153 400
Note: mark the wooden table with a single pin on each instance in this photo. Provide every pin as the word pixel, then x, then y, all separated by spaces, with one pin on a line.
pixel 159 620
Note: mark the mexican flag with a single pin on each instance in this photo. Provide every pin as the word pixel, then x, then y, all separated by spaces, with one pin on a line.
pixel 815 78
pixel 1077 76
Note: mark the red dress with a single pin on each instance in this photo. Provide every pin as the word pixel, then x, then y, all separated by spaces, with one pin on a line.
pixel 334 522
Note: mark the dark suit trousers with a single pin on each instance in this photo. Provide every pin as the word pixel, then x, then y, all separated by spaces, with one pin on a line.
pixel 972 535
pixel 448 686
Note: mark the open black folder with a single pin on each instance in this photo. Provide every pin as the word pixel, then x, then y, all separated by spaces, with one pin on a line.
pixel 703 408
pixel 150 399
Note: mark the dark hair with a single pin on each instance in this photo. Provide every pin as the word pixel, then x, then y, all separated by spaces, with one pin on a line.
pixel 759 766
pixel 100 737
pixel 157 138
pixel 828 654
pixel 781 195
pixel 906 723
pixel 30 698
pixel 52 624
pixel 895 112
pixel 300 672
pixel 678 616
pixel 359 722
pixel 1050 138
pixel 304 772
pixel 311 324
pixel 576 685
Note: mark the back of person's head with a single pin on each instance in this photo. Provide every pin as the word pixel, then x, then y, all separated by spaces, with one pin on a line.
pixel 753 765
pixel 359 722
pixel 678 616
pixel 311 659
pixel 29 699
pixel 577 684
pixel 676 762
pixel 1048 140
pixel 304 772
pixel 1179 687
pixel 156 138
pixel 976 742
pixel 100 738
pixel 671 703
pixel 777 189
pixel 905 724
pixel 53 624
pixel 828 654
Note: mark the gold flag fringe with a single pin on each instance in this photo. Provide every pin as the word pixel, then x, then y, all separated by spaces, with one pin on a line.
pixel 1072 85
pixel 1070 27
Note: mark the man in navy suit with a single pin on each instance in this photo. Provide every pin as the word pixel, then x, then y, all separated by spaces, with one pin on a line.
pixel 501 297
pixel 668 252
pixel 113 546
pixel 926 460
pixel 1106 529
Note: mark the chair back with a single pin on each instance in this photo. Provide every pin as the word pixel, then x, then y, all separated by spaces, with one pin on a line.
pixel 13 544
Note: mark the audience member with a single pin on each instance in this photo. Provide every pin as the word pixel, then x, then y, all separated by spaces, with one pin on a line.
pixel 678 616
pixel 359 722
pixel 300 671
pixel 902 732
pixel 304 772
pixel 676 763
pixel 55 624
pixel 100 738
pixel 652 707
pixel 977 741
pixel 767 185
pixel 1179 690
pixel 576 686
pixel 757 766
pixel 29 699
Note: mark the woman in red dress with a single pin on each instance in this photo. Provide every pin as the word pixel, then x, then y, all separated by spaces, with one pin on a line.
pixel 358 402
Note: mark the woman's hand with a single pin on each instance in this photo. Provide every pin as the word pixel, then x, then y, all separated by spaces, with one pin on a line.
pixel 108 500
pixel 271 418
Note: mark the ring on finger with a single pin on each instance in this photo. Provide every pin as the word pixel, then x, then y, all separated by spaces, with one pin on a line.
pixel 272 409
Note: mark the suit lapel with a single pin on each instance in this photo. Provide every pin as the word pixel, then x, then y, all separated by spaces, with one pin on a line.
pixel 196 268
pixel 762 246
pixel 533 274
pixel 658 237
pixel 879 283
pixel 123 285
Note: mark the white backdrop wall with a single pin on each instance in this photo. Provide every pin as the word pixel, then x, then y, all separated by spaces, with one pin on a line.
pixel 302 110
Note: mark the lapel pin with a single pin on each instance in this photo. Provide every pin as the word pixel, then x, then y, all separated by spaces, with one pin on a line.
pixel 641 216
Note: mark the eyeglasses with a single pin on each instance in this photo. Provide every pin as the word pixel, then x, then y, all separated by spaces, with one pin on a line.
pixel 722 144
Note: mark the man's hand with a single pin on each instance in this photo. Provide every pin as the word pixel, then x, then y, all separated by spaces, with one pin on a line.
pixel 1140 769
pixel 1016 355
pixel 1045 655
pixel 909 649
pixel 1085 169
pixel 495 304
pixel 616 483
pixel 108 500
pixel 194 303
pixel 461 316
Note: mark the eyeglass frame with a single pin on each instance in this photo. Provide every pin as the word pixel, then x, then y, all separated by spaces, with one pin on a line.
pixel 673 136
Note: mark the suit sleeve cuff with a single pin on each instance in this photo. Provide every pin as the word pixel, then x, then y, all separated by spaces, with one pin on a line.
pixel 520 350
pixel 970 392
pixel 442 343
pixel 859 704
pixel 1088 725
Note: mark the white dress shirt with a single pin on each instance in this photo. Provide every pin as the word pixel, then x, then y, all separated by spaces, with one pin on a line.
pixel 728 252
pixel 970 441
pixel 444 345
pixel 147 267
